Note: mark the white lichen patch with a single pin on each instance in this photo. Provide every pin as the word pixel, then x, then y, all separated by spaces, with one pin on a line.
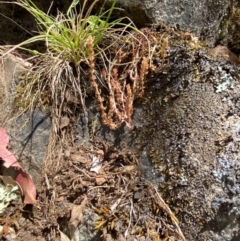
pixel 8 193
pixel 226 81
pixel 224 166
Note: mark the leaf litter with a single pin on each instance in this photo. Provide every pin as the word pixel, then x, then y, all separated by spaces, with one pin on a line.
pixel 23 179
pixel 125 205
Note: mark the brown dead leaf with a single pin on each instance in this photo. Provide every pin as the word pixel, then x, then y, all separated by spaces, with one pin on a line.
pixel 125 169
pixel 7 233
pixel 23 178
pixel 71 98
pixel 64 237
pixel 100 180
pixel 9 180
pixel 27 186
pixel 60 199
pixel 129 168
pixel 64 121
pixel 100 153
pixel 77 213
pixel 78 158
pixel 67 153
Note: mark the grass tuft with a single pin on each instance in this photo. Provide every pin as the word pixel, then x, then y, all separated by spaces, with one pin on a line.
pixel 85 51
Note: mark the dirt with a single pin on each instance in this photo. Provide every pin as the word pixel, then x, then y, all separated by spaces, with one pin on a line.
pixel 121 198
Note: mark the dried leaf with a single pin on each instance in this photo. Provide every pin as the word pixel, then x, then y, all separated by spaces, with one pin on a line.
pixel 77 213
pixel 28 187
pixel 23 178
pixel 100 224
pixel 64 122
pixel 139 194
pixel 113 207
pixel 71 98
pixel 64 237
pixel 8 158
pixel 7 233
pixel 78 158
pixel 9 180
pixel 125 169
pixel 100 180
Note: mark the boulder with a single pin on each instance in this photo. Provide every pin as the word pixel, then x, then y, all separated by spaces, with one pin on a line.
pixel 28 131
pixel 186 137
pixel 210 20
pixel 201 17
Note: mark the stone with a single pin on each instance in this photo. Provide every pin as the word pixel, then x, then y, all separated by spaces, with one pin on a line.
pixel 29 132
pixel 186 138
pixel 210 20
pixel 201 17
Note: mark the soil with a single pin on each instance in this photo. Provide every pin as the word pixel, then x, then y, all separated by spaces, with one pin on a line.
pixel 121 198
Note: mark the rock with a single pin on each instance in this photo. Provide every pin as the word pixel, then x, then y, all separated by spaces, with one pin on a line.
pixel 86 230
pixel 29 138
pixel 210 20
pixel 187 139
pixel 29 131
pixel 229 34
pixel 193 138
pixel 10 70
pixel 20 24
pixel 186 135
pixel 201 17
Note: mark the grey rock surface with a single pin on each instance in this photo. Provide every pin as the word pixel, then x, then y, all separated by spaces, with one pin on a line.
pixel 201 17
pixel 204 18
pixel 29 138
pixel 192 137
pixel 28 132
pixel 86 230
pixel 193 140
pixel 187 139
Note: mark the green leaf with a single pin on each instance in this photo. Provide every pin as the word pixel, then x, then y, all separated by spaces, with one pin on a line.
pixel 71 8
pixel 95 22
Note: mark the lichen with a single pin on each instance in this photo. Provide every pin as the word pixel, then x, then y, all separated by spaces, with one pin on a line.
pixel 226 81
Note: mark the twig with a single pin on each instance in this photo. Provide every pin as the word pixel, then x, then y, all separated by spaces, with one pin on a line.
pixel 165 207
